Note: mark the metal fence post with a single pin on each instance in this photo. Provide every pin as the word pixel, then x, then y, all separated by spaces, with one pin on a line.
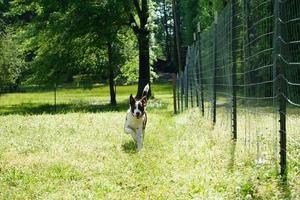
pixel 55 109
pixel 215 71
pixel 181 89
pixel 186 87
pixel 234 69
pixel 186 81
pixel 201 71
pixel 190 73
pixel 178 93
pixel 282 131
pixel 196 68
pixel 281 87
pixel 174 92
pixel 197 74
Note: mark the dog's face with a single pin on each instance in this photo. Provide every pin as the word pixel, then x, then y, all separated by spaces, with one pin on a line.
pixel 137 108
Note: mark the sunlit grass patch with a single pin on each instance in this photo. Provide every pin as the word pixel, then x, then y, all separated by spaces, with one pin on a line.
pixel 74 99
pixel 86 155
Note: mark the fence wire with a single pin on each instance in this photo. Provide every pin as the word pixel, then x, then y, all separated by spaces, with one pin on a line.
pixel 244 74
pixel 289 59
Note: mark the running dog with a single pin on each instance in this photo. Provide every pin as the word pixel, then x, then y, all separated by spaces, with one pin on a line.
pixel 136 118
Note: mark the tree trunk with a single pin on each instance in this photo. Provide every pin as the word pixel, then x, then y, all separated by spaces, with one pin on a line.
pixel 177 36
pixel 211 8
pixel 111 75
pixel 166 27
pixel 142 32
pixel 144 63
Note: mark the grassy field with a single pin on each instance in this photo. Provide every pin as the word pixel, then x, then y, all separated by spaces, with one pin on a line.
pixel 81 152
pixel 94 99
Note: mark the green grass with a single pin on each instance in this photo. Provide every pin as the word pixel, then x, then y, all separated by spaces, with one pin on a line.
pixel 80 154
pixel 95 99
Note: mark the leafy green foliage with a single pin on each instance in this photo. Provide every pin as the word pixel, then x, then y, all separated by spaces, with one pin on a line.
pixel 193 12
pixel 68 38
pixel 11 62
pixel 59 40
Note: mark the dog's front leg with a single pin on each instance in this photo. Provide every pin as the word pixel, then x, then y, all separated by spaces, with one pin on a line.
pixel 130 131
pixel 139 139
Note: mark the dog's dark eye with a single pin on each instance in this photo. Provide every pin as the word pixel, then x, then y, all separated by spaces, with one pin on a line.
pixel 141 108
pixel 132 108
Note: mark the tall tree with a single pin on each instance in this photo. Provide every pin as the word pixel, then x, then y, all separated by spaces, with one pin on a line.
pixel 72 37
pixel 113 100
pixel 167 31
pixel 139 22
pixel 11 60
pixel 164 29
pixel 194 11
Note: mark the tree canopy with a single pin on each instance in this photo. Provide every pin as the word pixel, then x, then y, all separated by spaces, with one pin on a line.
pixel 47 42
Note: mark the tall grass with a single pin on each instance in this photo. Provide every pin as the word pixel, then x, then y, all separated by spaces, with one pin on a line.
pixel 86 155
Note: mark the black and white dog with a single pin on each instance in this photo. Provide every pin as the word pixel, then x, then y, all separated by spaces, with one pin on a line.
pixel 136 118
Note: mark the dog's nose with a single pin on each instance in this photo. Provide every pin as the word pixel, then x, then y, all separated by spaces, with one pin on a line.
pixel 138 114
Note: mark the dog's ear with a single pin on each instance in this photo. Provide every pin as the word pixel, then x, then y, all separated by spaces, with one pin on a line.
pixel 131 100
pixel 144 101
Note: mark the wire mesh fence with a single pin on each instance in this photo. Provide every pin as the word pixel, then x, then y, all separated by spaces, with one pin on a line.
pixel 243 72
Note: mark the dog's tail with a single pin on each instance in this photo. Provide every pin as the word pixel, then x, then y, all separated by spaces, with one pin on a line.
pixel 146 90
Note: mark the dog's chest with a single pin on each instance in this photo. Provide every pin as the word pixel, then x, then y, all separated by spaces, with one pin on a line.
pixel 133 122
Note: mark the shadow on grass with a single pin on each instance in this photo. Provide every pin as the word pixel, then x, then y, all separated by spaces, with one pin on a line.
pixel 129 147
pixel 38 109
